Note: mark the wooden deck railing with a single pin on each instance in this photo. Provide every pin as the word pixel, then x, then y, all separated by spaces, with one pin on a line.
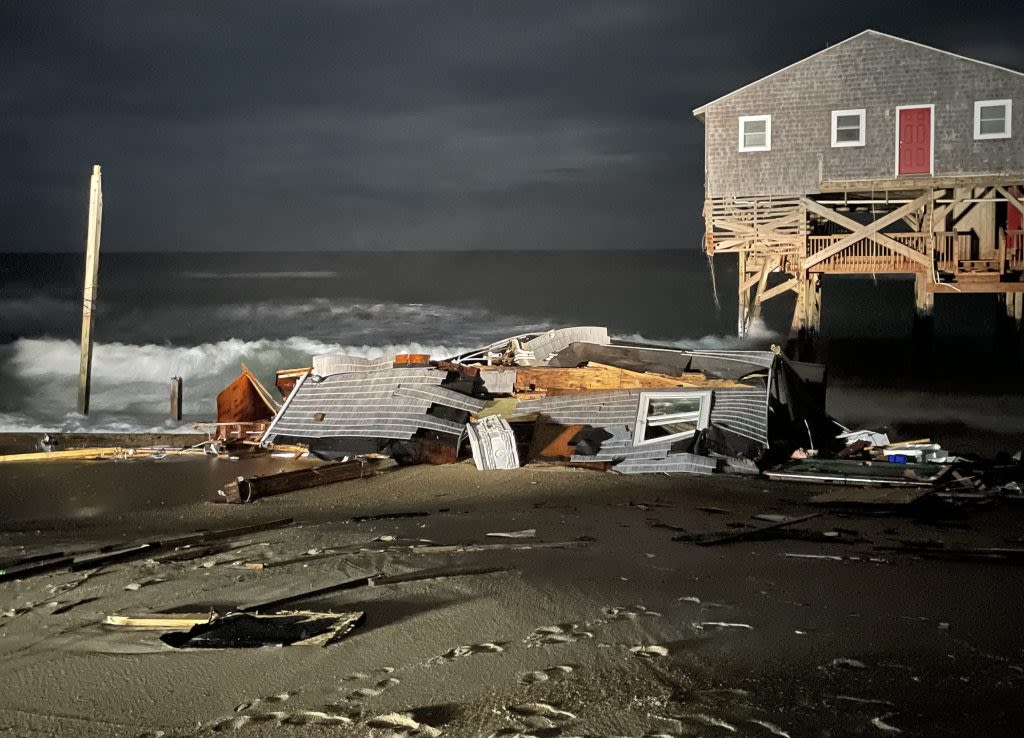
pixel 869 256
pixel 1015 251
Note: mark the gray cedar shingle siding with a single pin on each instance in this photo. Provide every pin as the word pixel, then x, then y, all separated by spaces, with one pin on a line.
pixel 741 411
pixel 871 71
pixel 384 403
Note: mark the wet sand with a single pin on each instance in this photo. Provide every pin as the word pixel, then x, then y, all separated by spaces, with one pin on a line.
pixel 533 641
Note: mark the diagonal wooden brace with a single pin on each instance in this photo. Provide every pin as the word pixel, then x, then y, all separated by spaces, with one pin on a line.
pixel 871 231
pixel 778 290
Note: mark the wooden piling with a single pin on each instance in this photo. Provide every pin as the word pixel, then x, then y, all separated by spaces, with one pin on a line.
pixel 92 266
pixel 176 398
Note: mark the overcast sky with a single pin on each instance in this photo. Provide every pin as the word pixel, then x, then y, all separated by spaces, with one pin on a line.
pixel 325 124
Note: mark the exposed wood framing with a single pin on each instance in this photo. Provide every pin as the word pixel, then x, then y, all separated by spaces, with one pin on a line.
pixel 1011 198
pixel 859 232
pixel 754 224
pixel 951 242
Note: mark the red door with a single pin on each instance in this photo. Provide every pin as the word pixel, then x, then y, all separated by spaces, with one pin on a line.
pixel 915 137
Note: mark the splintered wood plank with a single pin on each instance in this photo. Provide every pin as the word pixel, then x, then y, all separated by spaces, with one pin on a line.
pixel 158 622
pixel 596 377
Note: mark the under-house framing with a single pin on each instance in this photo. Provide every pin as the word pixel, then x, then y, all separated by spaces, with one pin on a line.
pixel 876 155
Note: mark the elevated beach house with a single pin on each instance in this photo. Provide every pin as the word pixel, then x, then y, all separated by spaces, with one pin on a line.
pixel 875 155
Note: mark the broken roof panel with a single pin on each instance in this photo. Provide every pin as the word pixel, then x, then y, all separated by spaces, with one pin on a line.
pixel 383 403
pixel 529 349
pixel 327 364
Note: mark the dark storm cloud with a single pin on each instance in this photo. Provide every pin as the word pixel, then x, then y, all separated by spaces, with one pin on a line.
pixel 377 124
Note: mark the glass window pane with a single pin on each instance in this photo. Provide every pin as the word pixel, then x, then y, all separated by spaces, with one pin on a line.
pixel 754 126
pixel 848 134
pixel 673 405
pixel 752 140
pixel 848 121
pixel 653 432
pixel 992 126
pixel 992 112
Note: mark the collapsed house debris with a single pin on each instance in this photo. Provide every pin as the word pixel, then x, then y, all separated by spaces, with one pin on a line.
pixel 570 396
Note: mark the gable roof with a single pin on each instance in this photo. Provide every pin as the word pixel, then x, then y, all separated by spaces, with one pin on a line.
pixel 869 32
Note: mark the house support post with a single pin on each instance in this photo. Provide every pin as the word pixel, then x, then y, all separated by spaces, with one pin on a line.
pixel 806 325
pixel 743 307
pixel 923 331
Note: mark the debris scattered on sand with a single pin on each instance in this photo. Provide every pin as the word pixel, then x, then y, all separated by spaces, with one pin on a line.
pixel 244 630
pixel 771 728
pixel 848 663
pixel 863 700
pixel 528 533
pixel 716 624
pixel 710 721
pixel 883 726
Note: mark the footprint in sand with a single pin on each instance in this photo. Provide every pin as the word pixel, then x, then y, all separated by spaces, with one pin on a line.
pixel 630 613
pixel 232 723
pixel 402 724
pixel 460 651
pixel 555 672
pixel 536 719
pixel 551 634
pixel 238 722
pixel 280 697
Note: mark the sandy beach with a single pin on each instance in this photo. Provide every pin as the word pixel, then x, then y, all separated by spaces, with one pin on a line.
pixel 541 636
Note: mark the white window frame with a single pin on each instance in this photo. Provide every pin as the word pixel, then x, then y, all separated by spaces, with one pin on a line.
pixel 861 113
pixel 744 119
pixel 1007 109
pixel 702 416
pixel 896 163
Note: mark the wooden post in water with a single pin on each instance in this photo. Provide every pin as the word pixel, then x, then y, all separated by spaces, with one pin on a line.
pixel 176 398
pixel 92 267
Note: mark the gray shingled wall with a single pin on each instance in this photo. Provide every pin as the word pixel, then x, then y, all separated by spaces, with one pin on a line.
pixel 870 71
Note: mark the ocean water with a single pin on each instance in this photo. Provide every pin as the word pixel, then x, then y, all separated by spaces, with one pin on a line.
pixel 200 316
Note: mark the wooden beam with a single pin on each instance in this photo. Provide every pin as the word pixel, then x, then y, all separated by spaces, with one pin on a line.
pixel 880 186
pixel 870 231
pixel 852 225
pixel 92 267
pixel 778 289
pixel 159 622
pixel 1010 198
pixel 975 287
pixel 252 488
pixel 750 281
pixel 762 285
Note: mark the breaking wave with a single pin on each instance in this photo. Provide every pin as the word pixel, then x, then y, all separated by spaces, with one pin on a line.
pixel 131 382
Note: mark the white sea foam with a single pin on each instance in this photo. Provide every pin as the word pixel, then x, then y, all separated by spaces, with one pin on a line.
pixel 759 336
pixel 130 382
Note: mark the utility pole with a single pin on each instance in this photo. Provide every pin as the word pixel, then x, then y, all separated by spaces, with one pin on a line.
pixel 92 268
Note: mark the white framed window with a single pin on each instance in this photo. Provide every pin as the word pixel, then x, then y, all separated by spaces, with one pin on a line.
pixel 755 133
pixel 671 416
pixel 992 118
pixel 848 127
